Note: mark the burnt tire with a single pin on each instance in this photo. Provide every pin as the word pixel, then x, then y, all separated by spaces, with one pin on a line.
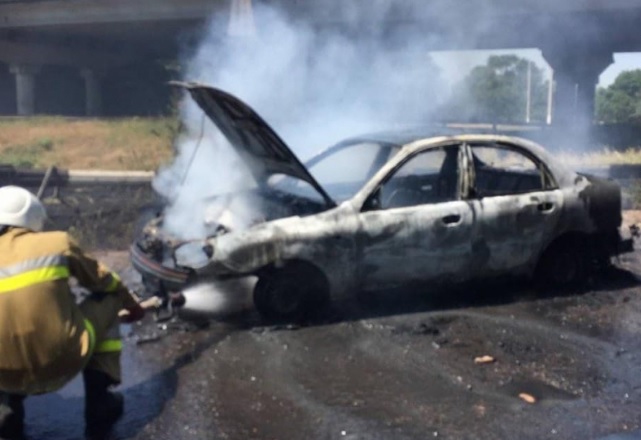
pixel 292 293
pixel 563 266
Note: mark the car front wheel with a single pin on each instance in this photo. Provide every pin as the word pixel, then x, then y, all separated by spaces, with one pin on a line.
pixel 290 293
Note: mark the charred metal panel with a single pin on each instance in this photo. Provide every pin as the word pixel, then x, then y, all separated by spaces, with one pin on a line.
pixel 512 229
pixel 325 240
pixel 602 199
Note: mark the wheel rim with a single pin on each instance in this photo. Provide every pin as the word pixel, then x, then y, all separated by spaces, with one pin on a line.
pixel 285 299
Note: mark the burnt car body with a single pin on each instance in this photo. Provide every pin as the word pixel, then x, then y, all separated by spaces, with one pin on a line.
pixel 405 208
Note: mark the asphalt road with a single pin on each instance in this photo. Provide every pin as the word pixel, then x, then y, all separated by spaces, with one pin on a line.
pixel 399 366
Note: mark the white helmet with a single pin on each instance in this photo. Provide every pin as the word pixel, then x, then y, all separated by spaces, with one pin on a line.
pixel 18 207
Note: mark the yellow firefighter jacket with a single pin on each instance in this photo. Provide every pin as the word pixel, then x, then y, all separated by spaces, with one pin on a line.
pixel 44 339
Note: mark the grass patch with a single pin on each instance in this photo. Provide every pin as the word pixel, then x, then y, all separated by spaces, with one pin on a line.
pixel 146 143
pixel 27 156
pixel 80 143
pixel 602 158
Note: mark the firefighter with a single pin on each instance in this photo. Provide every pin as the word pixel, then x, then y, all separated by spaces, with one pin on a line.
pixel 45 337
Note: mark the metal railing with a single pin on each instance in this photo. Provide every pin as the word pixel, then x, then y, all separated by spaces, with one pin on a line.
pixel 52 176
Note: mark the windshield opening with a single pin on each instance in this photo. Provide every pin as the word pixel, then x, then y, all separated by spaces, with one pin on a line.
pixel 341 170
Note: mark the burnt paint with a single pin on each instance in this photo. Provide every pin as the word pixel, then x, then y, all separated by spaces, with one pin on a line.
pixel 602 199
pixel 480 254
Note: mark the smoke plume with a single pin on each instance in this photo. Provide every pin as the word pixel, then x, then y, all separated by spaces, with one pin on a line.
pixel 313 87
pixel 314 84
pixel 316 87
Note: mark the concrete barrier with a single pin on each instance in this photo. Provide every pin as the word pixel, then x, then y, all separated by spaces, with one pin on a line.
pixel 101 209
pixel 9 175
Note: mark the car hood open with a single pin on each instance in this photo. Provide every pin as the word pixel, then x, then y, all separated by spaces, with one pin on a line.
pixel 257 144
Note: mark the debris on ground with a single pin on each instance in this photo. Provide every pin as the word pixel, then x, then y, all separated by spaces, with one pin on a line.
pixel 484 359
pixel 275 328
pixel 527 398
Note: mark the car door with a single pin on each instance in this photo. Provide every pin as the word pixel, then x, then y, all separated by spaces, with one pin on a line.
pixel 414 227
pixel 517 206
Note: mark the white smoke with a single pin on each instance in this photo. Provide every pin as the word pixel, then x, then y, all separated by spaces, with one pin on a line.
pixel 205 166
pixel 313 87
pixel 318 87
pixel 316 84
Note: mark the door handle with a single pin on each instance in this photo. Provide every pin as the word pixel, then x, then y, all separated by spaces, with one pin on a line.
pixel 452 219
pixel 545 206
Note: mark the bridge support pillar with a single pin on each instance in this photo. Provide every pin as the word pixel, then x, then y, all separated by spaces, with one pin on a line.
pixel 93 96
pixel 25 88
pixel 576 74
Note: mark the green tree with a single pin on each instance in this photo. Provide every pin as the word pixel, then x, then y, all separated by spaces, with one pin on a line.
pixel 620 102
pixel 497 92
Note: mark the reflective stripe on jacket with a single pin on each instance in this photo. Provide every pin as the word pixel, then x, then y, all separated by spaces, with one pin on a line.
pixel 44 340
pixel 31 272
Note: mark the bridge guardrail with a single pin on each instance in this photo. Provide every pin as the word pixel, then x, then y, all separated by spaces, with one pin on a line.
pixel 9 175
pixel 102 209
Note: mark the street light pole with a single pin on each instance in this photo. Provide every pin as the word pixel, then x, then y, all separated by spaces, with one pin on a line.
pixel 548 118
pixel 528 97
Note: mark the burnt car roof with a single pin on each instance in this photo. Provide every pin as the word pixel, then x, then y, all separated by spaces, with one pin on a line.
pixel 405 135
pixel 404 138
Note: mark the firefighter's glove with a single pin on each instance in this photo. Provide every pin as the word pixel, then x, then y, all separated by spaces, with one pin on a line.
pixel 137 312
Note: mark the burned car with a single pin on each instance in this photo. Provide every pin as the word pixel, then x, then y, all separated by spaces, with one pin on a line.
pixel 385 210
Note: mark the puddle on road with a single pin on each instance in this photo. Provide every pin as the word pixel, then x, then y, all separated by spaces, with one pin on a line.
pixel 151 376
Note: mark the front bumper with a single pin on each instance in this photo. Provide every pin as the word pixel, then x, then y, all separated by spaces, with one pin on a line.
pixel 171 278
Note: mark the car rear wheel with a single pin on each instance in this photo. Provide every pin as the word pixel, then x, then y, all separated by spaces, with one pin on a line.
pixel 563 266
pixel 291 293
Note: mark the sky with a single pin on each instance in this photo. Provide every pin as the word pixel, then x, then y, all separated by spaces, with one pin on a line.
pixel 455 65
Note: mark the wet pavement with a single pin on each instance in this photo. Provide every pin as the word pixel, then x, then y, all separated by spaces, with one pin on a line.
pixel 400 365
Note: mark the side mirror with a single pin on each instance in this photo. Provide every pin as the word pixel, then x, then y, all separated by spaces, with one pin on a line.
pixel 373 202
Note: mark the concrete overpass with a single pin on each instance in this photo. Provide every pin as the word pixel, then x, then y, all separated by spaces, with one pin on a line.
pixel 86 47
